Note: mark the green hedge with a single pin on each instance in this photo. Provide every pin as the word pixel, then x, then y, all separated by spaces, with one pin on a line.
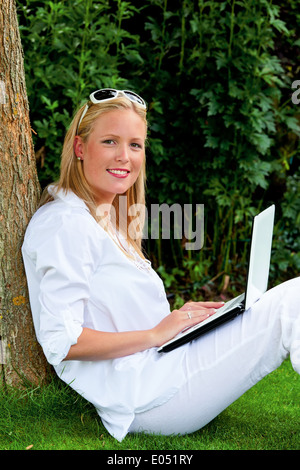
pixel 223 129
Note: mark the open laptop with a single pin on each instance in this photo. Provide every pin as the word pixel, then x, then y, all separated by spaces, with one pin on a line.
pixel 257 282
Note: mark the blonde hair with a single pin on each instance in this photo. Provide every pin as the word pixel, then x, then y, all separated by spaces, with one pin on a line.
pixel 72 175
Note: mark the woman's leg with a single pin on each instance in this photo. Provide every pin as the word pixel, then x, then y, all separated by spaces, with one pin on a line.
pixel 225 363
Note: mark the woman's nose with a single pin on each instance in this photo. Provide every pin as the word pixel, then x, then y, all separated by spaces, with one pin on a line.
pixel 123 153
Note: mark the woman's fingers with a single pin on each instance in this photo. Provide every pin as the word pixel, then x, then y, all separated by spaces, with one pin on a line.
pixel 201 305
pixel 199 314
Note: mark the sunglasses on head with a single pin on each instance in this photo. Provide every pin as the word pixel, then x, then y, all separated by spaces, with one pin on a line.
pixel 107 94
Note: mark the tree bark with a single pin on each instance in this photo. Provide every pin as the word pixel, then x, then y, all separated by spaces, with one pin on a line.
pixel 21 358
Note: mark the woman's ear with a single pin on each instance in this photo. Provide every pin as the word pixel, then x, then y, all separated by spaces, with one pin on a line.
pixel 78 147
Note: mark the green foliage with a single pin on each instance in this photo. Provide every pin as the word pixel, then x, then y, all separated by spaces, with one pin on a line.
pixel 223 129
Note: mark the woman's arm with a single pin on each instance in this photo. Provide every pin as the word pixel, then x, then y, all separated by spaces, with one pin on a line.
pixel 96 345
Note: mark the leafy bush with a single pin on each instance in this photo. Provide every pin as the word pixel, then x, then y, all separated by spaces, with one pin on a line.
pixel 223 130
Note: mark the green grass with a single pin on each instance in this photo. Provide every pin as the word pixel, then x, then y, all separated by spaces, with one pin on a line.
pixel 54 417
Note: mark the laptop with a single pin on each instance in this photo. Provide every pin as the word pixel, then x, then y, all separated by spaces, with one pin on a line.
pixel 257 282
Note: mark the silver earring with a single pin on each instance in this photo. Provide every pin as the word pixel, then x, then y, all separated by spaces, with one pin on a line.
pixel 78 158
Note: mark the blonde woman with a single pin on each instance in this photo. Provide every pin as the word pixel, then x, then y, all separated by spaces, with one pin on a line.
pixel 99 309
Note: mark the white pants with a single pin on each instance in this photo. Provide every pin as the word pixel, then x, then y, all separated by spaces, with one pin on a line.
pixel 225 363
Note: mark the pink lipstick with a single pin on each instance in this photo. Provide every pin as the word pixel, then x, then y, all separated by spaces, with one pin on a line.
pixel 118 172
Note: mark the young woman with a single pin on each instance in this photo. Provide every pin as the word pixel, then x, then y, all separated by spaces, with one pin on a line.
pixel 99 309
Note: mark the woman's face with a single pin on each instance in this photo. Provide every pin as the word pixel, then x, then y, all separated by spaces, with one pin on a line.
pixel 113 154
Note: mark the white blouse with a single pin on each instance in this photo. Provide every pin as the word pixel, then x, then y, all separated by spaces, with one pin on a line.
pixel 79 277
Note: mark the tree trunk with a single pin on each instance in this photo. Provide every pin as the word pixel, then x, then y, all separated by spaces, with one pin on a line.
pixel 20 355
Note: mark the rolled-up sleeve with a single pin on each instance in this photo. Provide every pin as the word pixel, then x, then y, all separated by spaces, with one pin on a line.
pixel 60 255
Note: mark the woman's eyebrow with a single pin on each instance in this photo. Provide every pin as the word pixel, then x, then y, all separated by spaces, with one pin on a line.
pixel 102 136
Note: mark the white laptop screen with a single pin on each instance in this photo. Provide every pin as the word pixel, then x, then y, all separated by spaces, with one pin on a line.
pixel 261 244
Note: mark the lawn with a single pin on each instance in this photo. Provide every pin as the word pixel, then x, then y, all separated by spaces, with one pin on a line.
pixel 54 417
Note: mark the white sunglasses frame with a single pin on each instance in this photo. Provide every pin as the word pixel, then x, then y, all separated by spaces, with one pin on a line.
pixel 122 92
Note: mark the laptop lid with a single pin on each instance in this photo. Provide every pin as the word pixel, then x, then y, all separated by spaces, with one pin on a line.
pixel 260 255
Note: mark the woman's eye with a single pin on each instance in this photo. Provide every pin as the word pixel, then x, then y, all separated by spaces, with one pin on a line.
pixel 109 141
pixel 136 145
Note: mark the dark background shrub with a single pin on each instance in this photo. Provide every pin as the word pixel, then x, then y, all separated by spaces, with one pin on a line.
pixel 224 132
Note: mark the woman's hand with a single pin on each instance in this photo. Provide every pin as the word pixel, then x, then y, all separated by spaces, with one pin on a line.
pixel 187 316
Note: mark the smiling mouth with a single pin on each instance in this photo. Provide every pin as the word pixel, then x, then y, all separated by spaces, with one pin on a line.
pixel 118 173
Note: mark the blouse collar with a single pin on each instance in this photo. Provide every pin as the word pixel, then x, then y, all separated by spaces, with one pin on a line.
pixel 67 196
